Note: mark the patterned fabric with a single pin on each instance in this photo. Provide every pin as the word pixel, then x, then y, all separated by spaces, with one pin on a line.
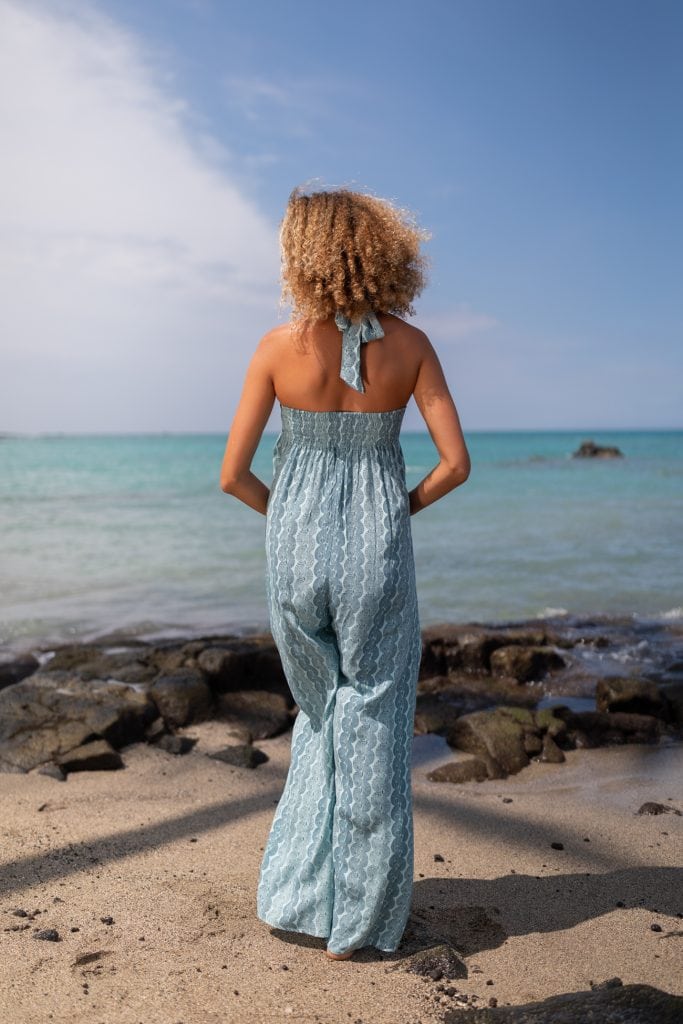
pixel 353 336
pixel 342 599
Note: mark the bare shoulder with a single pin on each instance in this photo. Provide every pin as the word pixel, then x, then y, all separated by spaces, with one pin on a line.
pixel 270 345
pixel 412 337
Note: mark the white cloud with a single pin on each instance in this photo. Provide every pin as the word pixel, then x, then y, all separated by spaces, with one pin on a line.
pixel 128 257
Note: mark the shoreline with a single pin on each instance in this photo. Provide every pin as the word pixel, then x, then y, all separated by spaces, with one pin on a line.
pixel 146 632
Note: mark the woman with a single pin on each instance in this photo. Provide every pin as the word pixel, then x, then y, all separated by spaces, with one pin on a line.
pixel 340 573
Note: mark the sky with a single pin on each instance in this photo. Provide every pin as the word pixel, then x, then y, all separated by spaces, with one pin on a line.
pixel 149 151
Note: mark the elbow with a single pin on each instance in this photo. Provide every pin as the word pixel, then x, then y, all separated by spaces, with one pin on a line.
pixel 229 484
pixel 459 471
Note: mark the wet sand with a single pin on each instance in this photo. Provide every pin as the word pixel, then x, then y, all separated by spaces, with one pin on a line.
pixel 170 849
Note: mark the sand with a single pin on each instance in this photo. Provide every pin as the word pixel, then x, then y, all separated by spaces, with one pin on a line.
pixel 170 848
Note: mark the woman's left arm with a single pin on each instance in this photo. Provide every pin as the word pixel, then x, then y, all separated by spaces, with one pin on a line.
pixel 254 408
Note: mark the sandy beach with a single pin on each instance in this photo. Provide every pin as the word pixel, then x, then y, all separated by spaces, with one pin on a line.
pixel 169 849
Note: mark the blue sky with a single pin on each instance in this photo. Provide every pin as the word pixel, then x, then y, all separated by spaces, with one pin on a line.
pixel 156 144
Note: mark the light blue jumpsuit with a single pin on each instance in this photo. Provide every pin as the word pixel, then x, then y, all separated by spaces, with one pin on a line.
pixel 343 609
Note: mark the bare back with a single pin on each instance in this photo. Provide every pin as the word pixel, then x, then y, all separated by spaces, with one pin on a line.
pixel 305 370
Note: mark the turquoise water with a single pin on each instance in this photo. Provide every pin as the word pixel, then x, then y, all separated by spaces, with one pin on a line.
pixel 133 532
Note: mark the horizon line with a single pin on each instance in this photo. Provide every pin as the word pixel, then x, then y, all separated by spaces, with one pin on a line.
pixel 269 433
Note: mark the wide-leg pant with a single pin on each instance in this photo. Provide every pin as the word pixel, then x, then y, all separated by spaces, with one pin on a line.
pixel 343 609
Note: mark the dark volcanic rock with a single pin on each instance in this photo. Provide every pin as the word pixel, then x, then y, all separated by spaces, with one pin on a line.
pixel 176 744
pixel 48 715
pixel 495 736
pixel 637 695
pixel 550 751
pixel 652 807
pixel 182 698
pixel 243 664
pixel 15 667
pixel 242 755
pixel 525 663
pixel 614 1004
pixel 468 770
pixel 52 770
pixel 442 960
pixel 672 694
pixel 98 755
pixel 89 661
pixel 589 449
pixel 468 648
pixel 503 739
pixel 263 713
pixel 601 728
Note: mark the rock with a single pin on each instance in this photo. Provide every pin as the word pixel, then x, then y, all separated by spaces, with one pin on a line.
pixel 182 698
pixel 443 699
pixel 601 728
pixel 91 661
pixel 589 449
pixel 243 663
pixel 551 752
pixel 433 715
pixel 98 755
pixel 495 736
pixel 618 1004
pixel 263 713
pixel 52 770
pixel 549 722
pixel 176 744
pixel 49 934
pixel 444 959
pixel 471 769
pixel 155 730
pixel 15 667
pixel 468 648
pixel 525 663
pixel 672 695
pixel 242 755
pixel 532 742
pixel 628 694
pixel 652 807
pixel 49 714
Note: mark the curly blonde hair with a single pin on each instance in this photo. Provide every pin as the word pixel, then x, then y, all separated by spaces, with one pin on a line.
pixel 349 251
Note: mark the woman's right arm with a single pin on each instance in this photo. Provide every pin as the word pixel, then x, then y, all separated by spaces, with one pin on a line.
pixel 438 410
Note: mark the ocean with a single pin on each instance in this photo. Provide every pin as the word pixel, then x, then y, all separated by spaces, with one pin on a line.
pixel 106 533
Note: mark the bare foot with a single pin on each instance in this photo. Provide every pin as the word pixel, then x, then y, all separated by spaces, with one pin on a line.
pixel 340 956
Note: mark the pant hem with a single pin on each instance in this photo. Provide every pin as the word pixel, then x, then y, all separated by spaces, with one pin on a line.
pixel 318 935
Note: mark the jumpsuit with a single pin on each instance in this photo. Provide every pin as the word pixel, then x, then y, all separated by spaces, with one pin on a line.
pixel 342 601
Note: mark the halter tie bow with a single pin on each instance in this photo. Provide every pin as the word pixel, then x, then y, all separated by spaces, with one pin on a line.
pixel 354 334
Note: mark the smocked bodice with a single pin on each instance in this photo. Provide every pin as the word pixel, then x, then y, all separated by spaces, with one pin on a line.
pixel 340 428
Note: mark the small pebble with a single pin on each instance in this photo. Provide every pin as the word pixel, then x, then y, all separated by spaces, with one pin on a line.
pixel 655 927
pixel 107 920
pixel 50 934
